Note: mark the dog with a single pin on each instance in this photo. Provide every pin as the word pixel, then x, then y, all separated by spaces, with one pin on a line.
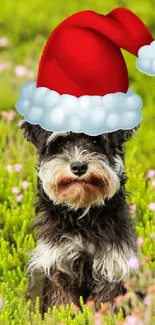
pixel 85 235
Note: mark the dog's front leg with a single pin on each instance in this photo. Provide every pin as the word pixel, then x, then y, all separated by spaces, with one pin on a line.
pixel 56 291
pixel 105 292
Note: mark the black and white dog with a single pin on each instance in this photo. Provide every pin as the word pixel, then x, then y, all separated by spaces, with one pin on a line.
pixel 85 235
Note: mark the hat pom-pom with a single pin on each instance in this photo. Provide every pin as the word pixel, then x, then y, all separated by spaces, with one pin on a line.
pixel 146 59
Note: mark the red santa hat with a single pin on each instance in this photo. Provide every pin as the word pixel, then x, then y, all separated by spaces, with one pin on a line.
pixel 83 76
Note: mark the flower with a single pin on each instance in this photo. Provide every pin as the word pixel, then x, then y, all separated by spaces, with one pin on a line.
pixel 15 190
pixel 134 262
pixel 132 320
pixel 133 208
pixel 8 116
pixel 4 65
pixel 98 318
pixel 25 185
pixel 140 241
pixel 9 168
pixel 148 300
pixel 153 185
pixel 3 41
pixel 150 173
pixel 1 302
pixel 19 198
pixel 22 71
pixel 151 206
pixel 17 167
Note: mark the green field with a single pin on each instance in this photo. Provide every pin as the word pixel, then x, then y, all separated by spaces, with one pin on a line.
pixel 24 28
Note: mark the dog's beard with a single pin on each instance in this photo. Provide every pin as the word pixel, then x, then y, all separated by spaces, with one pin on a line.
pixel 92 188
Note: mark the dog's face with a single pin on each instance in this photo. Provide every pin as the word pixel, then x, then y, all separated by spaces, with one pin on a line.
pixel 78 170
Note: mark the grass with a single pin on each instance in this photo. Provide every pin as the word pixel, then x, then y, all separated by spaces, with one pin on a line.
pixel 26 25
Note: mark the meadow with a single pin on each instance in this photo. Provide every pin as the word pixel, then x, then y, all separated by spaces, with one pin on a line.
pixel 24 29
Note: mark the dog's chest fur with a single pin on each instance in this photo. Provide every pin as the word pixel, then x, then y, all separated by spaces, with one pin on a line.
pixel 103 240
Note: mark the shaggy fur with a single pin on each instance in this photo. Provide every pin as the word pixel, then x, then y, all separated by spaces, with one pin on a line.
pixel 84 234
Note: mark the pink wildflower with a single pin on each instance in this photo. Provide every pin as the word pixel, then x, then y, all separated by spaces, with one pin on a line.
pixel 140 241
pixel 133 208
pixel 4 66
pixel 9 168
pixel 17 167
pixel 150 173
pixel 152 206
pixel 3 42
pixel 25 185
pixel 98 318
pixel 133 320
pixel 15 190
pixel 8 116
pixel 148 300
pixel 153 185
pixel 134 262
pixel 1 302
pixel 19 198
pixel 22 71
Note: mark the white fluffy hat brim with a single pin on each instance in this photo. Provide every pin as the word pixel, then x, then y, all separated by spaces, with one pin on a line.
pixel 146 59
pixel 92 115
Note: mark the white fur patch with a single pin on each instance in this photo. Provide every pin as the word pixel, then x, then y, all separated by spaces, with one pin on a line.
pixel 45 256
pixel 111 265
pixel 115 183
pixel 20 123
pixel 119 165
pixel 56 134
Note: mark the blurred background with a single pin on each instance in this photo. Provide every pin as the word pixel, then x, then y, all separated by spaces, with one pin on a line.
pixel 24 29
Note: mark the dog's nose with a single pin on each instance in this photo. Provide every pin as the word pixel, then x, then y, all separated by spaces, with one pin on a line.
pixel 78 168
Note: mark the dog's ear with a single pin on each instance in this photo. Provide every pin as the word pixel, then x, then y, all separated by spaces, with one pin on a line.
pixel 125 135
pixel 122 136
pixel 35 134
pixel 117 138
